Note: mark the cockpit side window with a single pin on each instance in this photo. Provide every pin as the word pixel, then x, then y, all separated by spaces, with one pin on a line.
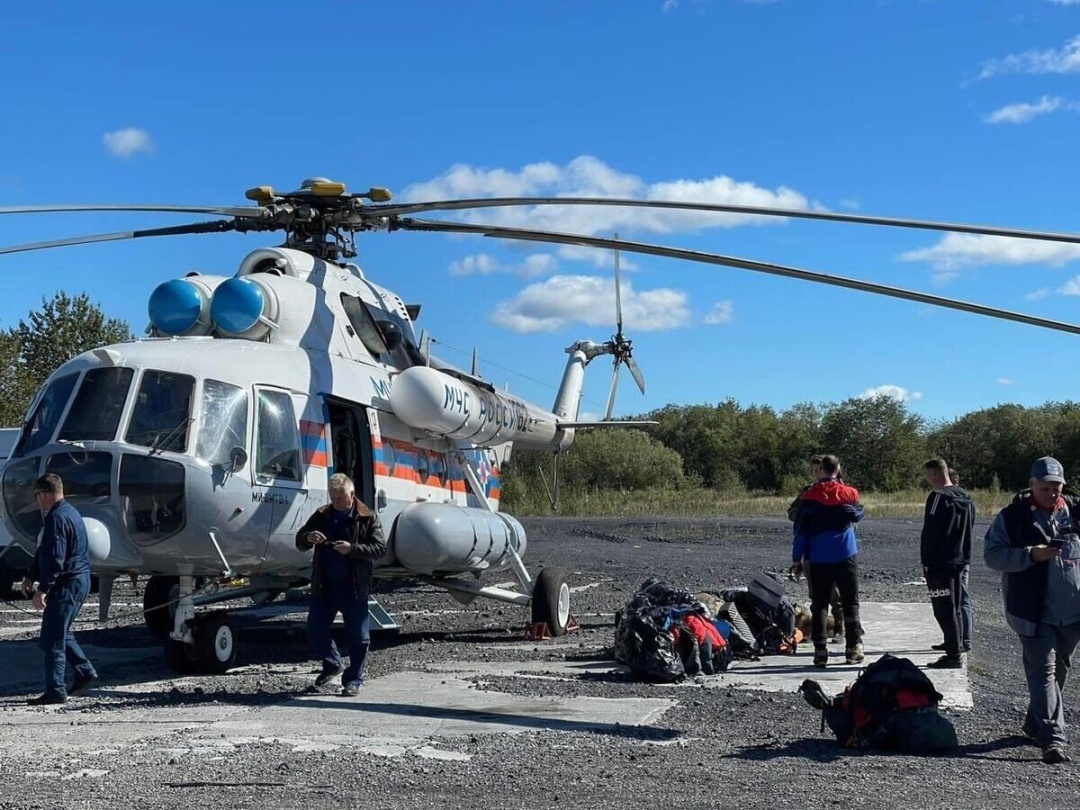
pixel 223 423
pixel 277 455
pixel 363 325
pixel 162 412
pixel 95 413
pixel 43 422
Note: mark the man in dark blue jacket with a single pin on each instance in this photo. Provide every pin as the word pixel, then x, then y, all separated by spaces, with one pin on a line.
pixel 347 537
pixel 61 568
pixel 825 537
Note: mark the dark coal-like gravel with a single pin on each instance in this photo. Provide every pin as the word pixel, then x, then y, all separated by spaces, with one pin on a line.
pixel 716 748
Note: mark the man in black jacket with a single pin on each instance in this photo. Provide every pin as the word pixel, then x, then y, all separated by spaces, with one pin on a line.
pixel 945 550
pixel 347 538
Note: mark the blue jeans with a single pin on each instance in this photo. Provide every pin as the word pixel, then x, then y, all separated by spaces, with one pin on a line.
pixel 62 605
pixel 338 597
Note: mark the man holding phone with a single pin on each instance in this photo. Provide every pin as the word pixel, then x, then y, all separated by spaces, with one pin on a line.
pixel 347 538
pixel 1035 543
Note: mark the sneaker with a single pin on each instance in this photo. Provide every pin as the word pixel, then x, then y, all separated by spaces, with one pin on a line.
pixel 328 674
pixel 947 662
pixel 47 700
pixel 938 647
pixel 351 689
pixel 854 655
pixel 821 657
pixel 82 684
pixel 1054 754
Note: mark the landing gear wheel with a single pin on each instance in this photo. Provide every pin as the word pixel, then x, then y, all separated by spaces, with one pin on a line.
pixel 215 642
pixel 551 601
pixel 159 605
pixel 180 657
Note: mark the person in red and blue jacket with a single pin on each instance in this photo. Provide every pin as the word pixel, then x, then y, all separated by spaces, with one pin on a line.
pixel 825 538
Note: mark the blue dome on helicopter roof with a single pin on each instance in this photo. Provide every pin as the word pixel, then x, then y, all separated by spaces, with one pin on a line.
pixel 238 307
pixel 176 306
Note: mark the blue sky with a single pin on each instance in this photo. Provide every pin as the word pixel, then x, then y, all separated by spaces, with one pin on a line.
pixel 959 111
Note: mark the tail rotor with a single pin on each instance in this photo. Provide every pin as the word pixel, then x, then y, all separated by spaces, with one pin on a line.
pixel 620 347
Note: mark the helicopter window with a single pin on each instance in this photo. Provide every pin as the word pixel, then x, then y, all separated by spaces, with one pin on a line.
pixel 42 424
pixel 278 452
pixel 151 497
pixel 438 467
pixel 162 412
pixel 85 475
pixel 422 467
pixel 95 413
pixel 389 456
pixel 363 325
pixel 19 501
pixel 223 423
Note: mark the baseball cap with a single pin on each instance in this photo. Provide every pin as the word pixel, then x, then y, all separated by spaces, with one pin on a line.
pixel 1048 469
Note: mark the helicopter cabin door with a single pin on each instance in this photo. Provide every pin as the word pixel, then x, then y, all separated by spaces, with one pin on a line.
pixel 350 437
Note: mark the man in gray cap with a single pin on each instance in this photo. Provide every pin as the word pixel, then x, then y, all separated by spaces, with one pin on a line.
pixel 1035 543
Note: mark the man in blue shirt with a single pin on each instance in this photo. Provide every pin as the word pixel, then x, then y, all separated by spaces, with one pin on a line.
pixel 61 568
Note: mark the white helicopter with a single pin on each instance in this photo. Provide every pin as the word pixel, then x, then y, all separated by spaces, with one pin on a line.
pixel 195 455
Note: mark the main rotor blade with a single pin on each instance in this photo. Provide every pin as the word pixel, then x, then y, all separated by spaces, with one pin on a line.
pixel 753 210
pixel 635 372
pixel 611 393
pixel 525 235
pixel 214 226
pixel 618 294
pixel 248 211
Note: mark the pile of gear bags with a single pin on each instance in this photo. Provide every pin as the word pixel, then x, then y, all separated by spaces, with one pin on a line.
pixel 664 634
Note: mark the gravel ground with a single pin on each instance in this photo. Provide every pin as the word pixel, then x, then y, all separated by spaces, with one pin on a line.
pixel 716 748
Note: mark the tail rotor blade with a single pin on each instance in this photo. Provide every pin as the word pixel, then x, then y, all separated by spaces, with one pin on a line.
pixel 611 393
pixel 635 372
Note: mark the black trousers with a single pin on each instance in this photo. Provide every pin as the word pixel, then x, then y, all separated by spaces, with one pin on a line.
pixel 844 576
pixel 946 590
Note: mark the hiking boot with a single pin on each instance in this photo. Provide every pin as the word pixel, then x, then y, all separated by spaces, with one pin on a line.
pixel 83 683
pixel 854 655
pixel 328 674
pixel 947 662
pixel 351 689
pixel 821 657
pixel 1054 754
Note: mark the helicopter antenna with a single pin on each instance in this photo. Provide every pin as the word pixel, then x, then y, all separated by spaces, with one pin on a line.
pixel 620 347
pixel 475 362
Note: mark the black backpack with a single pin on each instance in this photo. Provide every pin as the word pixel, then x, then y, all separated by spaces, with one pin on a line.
pixel 892 705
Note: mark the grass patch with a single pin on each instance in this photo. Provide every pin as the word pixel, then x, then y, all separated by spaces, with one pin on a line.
pixel 706 502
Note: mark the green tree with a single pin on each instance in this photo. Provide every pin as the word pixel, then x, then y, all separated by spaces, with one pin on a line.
pixel 64 327
pixel 881 446
pixel 621 460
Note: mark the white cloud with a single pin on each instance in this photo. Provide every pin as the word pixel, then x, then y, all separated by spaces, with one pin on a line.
pixel 564 300
pixel 587 176
pixel 722 312
pixel 850 204
pixel 957 250
pixel 481 264
pixel 669 5
pixel 1039 294
pixel 1023 112
pixel 1004 381
pixel 1063 60
pixel 892 392
pixel 127 142
pixel 1071 287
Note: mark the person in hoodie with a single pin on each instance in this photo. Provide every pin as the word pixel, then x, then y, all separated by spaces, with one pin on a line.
pixel 825 538
pixel 1035 543
pixel 945 551
pixel 347 537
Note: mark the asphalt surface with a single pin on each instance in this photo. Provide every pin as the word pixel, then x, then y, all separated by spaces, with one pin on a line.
pixel 708 748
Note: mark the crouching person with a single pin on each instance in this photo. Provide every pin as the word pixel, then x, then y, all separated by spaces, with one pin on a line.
pixel 347 538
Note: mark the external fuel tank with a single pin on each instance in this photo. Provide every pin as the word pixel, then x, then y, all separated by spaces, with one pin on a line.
pixel 442 538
